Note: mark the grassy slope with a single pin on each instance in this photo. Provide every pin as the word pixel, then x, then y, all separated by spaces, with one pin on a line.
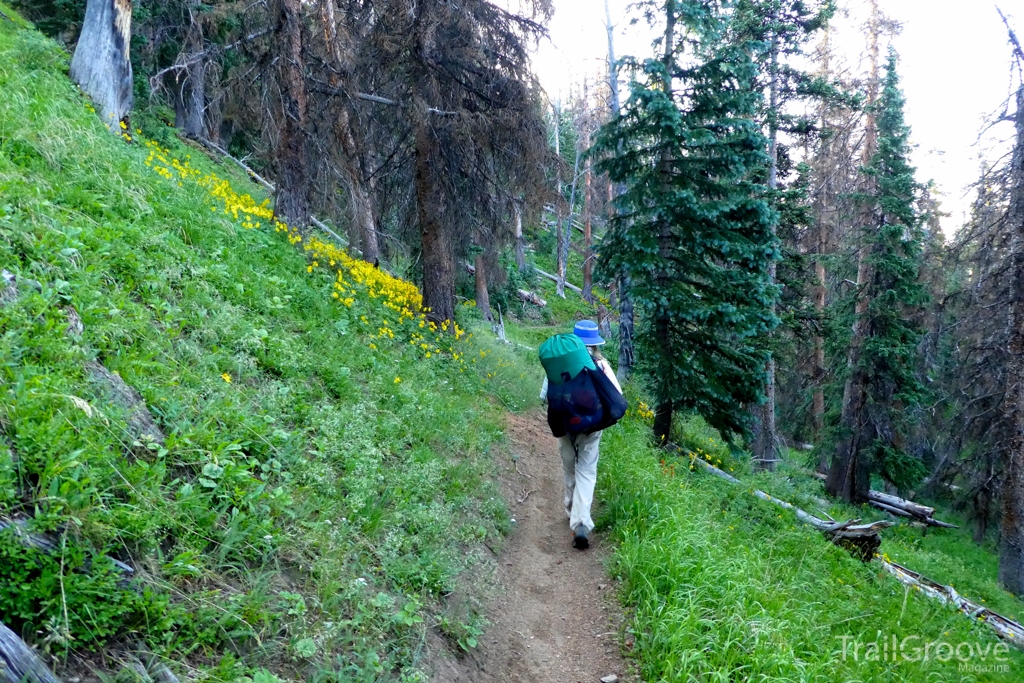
pixel 316 498
pixel 346 504
pixel 728 587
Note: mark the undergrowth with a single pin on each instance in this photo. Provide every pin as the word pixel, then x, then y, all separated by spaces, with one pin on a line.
pixel 725 586
pixel 327 468
pixel 325 476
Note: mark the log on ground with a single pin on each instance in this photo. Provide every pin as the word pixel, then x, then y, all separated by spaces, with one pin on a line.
pixel 19 663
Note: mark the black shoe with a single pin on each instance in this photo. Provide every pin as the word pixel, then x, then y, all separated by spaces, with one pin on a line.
pixel 579 538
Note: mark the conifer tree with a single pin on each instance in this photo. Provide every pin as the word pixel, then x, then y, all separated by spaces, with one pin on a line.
pixel 693 227
pixel 780 29
pixel 883 388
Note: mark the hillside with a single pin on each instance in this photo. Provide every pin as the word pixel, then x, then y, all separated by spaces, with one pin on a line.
pixel 320 472
pixel 253 459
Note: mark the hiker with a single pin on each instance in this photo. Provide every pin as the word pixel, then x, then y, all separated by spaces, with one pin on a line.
pixel 580 452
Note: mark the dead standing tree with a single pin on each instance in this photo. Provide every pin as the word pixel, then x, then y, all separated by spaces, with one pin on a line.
pixel 622 286
pixel 102 66
pixel 1011 548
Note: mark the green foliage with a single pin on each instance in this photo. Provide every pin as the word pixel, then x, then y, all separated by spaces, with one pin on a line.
pixel 310 515
pixel 693 228
pixel 888 364
pixel 724 586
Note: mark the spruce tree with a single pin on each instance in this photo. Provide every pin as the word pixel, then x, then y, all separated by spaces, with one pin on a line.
pixel 693 228
pixel 883 388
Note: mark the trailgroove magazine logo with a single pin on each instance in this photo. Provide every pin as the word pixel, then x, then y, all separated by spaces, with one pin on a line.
pixel 973 657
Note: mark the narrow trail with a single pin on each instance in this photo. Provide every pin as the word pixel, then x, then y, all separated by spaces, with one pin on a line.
pixel 554 617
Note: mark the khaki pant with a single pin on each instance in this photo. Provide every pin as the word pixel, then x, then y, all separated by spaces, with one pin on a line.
pixel 580 477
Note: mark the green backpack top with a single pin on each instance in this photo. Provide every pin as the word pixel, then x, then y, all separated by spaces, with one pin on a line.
pixel 564 353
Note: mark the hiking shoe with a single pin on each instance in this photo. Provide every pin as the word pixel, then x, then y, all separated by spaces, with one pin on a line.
pixel 579 538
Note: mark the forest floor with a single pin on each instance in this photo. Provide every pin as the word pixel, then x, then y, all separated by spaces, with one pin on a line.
pixel 554 616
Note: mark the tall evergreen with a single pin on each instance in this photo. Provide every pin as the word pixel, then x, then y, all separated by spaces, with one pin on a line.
pixel 693 227
pixel 883 388
pixel 780 29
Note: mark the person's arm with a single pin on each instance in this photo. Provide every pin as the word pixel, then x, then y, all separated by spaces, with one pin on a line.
pixel 606 368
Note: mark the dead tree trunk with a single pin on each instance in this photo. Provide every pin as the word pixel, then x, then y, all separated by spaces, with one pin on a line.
pixel 588 252
pixel 483 297
pixel 822 199
pixel 291 205
pixel 19 662
pixel 194 124
pixel 625 300
pixel 101 65
pixel 1011 545
pixel 520 240
pixel 765 452
pixel 556 110
pixel 849 477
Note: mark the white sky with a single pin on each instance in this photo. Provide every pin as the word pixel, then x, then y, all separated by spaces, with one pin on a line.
pixel 954 64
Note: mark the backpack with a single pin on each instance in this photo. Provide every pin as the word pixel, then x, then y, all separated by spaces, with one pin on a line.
pixel 581 402
pixel 564 354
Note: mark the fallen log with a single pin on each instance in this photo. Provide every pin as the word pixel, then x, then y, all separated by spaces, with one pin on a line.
pixel 531 298
pixel 140 421
pixel 860 540
pixel 1006 628
pixel 19 663
pixel 269 187
pixel 900 506
pixel 524 295
pixel 554 278
pixel 29 539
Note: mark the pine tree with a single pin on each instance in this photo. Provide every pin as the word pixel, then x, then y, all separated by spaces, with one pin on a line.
pixel 883 388
pixel 693 227
pixel 780 29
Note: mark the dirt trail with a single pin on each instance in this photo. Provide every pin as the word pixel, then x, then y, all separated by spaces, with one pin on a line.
pixel 554 617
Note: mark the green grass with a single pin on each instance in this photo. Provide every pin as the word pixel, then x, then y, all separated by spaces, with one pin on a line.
pixel 949 556
pixel 306 518
pixel 311 518
pixel 727 587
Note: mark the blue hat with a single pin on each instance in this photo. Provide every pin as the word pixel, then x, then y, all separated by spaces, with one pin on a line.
pixel 587 331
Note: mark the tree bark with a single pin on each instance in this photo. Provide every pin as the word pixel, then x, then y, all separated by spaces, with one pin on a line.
pixel 520 240
pixel 982 511
pixel 438 254
pixel 662 322
pixel 483 297
pixel 560 247
pixel 765 452
pixel 364 219
pixel 849 477
pixel 625 364
pixel 102 66
pixel 194 124
pixel 293 179
pixel 588 252
pixel 1011 544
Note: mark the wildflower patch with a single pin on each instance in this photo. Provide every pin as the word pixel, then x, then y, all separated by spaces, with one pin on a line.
pixel 389 308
